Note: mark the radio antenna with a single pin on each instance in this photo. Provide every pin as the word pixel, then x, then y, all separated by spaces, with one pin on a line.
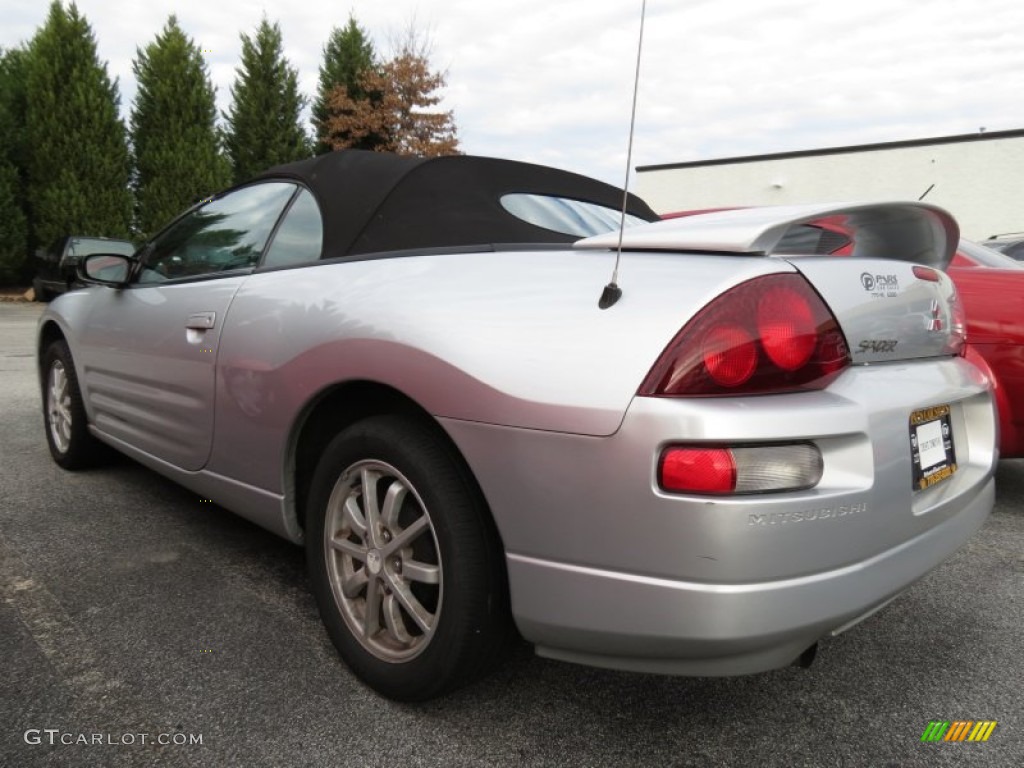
pixel 612 293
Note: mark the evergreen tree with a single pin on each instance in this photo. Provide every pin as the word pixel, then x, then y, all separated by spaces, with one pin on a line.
pixel 263 124
pixel 176 146
pixel 13 228
pixel 348 55
pixel 14 244
pixel 77 155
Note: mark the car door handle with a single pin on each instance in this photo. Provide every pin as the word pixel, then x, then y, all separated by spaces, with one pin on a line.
pixel 201 321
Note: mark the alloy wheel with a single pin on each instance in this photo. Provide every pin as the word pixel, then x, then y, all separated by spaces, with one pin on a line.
pixel 383 561
pixel 58 406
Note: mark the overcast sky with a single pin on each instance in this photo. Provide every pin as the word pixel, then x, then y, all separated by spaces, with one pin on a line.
pixel 550 81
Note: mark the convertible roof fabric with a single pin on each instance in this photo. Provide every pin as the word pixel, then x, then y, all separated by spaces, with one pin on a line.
pixel 374 201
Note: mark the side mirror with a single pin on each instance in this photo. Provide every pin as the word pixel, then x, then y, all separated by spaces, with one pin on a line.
pixel 106 269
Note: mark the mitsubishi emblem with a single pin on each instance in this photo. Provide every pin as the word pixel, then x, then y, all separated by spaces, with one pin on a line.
pixel 935 323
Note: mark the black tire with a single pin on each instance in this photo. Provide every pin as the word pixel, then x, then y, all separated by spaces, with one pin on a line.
pixel 39 292
pixel 466 624
pixel 67 431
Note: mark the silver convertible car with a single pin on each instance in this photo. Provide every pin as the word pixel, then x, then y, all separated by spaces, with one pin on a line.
pixel 410 366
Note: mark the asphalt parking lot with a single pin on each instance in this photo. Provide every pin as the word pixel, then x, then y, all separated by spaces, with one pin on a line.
pixel 134 613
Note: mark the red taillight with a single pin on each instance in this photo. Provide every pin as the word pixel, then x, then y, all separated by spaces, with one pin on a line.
pixel 730 355
pixel 739 469
pixel 787 326
pixel 697 470
pixel 771 334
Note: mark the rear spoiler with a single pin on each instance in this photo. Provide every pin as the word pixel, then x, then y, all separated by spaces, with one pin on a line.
pixel 904 231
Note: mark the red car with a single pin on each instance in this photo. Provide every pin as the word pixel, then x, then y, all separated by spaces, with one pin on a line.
pixel 991 286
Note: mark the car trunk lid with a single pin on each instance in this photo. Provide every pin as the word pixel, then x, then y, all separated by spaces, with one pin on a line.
pixel 888 310
pixel 888 295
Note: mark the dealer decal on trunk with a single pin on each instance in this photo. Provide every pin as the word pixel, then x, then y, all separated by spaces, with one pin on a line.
pixel 880 286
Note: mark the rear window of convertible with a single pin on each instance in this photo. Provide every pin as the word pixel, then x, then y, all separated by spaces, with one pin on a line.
pixel 561 214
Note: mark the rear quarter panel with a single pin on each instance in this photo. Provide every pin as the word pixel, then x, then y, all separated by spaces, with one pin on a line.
pixel 508 338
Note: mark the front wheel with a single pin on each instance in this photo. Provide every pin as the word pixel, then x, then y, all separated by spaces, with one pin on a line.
pixel 405 564
pixel 67 433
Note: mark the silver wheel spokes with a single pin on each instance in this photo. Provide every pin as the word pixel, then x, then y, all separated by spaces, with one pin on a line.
pixel 58 406
pixel 383 561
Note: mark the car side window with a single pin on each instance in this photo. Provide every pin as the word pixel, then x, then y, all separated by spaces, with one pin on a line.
pixel 226 234
pixel 299 239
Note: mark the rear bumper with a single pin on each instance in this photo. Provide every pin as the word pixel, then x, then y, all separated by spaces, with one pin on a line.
pixel 607 569
pixel 639 623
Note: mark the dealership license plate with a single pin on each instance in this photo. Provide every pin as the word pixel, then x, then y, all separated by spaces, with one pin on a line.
pixel 931 446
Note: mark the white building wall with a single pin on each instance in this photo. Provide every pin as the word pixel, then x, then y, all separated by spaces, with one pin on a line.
pixel 978 178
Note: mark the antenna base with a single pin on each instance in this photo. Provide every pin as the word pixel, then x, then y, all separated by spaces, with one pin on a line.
pixel 611 294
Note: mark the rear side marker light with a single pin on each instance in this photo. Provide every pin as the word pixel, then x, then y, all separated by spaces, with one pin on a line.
pixel 720 470
pixel 926 273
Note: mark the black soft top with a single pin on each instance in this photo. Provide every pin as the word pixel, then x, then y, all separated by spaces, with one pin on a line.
pixel 374 201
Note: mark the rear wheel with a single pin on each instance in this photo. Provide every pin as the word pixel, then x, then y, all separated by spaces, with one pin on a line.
pixel 405 565
pixel 67 432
